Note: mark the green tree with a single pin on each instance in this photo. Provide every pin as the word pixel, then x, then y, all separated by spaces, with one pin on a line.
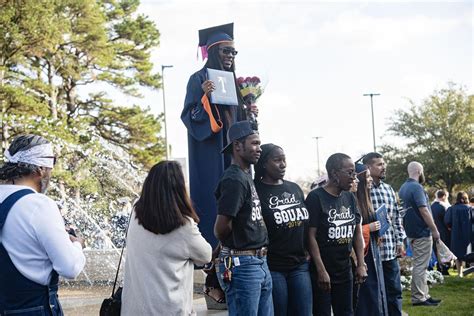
pixel 26 29
pixel 439 134
pixel 49 51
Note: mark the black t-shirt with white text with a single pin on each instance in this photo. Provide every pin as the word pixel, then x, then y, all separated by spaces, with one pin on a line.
pixel 286 218
pixel 237 198
pixel 335 218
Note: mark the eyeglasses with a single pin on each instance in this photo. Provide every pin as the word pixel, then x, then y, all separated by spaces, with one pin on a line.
pixel 351 173
pixel 50 157
pixel 228 51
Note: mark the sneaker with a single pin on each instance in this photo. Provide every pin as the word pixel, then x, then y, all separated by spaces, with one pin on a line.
pixel 425 303
pixel 434 300
pixel 469 270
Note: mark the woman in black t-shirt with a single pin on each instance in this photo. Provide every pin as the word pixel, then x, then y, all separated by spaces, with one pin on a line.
pixel 286 217
pixel 334 230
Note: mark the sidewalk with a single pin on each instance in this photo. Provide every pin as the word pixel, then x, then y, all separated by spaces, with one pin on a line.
pixel 201 309
pixel 86 302
pixel 79 300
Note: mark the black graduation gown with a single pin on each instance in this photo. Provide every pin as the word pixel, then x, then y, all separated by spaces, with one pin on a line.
pixel 206 162
pixel 457 217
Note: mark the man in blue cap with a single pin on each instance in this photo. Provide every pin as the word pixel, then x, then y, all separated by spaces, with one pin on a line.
pixel 242 271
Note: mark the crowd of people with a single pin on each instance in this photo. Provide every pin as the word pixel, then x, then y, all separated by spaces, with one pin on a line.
pixel 276 252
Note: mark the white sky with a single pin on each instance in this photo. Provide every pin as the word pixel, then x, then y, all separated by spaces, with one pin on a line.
pixel 317 59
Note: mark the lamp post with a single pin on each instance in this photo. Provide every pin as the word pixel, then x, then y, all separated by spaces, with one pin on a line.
pixel 164 106
pixel 372 109
pixel 317 152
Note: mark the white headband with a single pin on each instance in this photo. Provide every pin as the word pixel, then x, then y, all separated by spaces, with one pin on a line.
pixel 40 155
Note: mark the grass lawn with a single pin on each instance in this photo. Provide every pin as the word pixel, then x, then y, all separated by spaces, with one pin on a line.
pixel 457 295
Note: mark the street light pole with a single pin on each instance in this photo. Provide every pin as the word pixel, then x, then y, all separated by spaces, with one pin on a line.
pixel 317 152
pixel 372 109
pixel 164 106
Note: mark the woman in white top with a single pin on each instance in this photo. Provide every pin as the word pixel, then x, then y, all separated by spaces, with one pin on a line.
pixel 163 244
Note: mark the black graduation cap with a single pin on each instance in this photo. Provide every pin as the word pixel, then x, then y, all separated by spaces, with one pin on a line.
pixel 216 34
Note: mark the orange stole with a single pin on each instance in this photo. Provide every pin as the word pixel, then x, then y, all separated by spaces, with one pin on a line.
pixel 216 124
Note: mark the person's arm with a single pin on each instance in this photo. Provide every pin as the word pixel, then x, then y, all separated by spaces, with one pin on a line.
pixel 65 253
pixel 426 215
pixel 313 206
pixel 361 271
pixel 200 252
pixel 366 230
pixel 398 226
pixel 194 116
pixel 421 201
pixel 222 227
pixel 230 198
pixel 324 281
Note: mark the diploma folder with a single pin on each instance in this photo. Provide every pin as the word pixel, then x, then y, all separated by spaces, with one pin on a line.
pixel 382 217
pixel 224 82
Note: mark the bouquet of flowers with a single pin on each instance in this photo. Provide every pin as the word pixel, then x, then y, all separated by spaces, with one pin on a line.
pixel 251 90
pixel 444 254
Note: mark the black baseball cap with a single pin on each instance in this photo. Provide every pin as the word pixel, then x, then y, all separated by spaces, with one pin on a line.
pixel 237 131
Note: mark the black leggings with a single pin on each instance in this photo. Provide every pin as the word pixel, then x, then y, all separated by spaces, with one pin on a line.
pixel 340 298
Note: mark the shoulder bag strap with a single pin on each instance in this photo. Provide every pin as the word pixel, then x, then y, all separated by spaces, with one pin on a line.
pixel 121 253
pixel 8 203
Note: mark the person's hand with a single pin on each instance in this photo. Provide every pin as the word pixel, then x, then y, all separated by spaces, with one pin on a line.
pixel 400 251
pixel 208 86
pixel 324 281
pixel 254 109
pixel 435 235
pixel 374 226
pixel 361 273
pixel 78 239
pixel 209 268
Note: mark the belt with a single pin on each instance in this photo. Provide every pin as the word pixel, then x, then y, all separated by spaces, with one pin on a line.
pixel 261 252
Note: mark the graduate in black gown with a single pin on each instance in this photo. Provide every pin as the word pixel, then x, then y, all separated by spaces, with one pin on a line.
pixel 457 219
pixel 207 126
pixel 207 129
pixel 372 299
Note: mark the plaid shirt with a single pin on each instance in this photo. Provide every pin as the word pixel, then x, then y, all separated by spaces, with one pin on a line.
pixel 394 236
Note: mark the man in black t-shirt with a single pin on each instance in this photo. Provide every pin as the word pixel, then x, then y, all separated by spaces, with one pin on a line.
pixel 242 271
pixel 334 227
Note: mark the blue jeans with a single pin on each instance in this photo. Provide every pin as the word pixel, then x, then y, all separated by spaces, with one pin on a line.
pixel 292 294
pixel 393 286
pixel 249 293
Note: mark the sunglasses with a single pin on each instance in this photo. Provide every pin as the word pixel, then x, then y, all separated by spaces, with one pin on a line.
pixel 228 51
pixel 351 174
pixel 50 157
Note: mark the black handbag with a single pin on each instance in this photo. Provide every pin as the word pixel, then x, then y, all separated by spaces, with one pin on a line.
pixel 111 306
